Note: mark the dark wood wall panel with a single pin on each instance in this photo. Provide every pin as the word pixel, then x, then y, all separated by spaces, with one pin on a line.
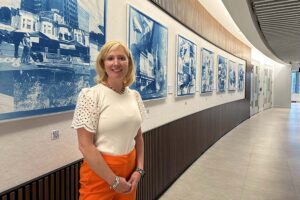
pixel 169 151
pixel 194 16
pixel 172 148
pixel 61 184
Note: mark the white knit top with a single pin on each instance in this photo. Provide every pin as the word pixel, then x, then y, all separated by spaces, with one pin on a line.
pixel 113 118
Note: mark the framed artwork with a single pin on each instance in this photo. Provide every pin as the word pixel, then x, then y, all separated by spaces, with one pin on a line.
pixel 148 42
pixel 231 76
pixel 207 71
pixel 241 77
pixel 186 67
pixel 222 73
pixel 47 54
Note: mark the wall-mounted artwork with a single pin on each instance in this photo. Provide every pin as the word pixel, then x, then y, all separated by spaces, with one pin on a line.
pixel 47 53
pixel 241 77
pixel 186 67
pixel 231 75
pixel 222 73
pixel 207 71
pixel 148 42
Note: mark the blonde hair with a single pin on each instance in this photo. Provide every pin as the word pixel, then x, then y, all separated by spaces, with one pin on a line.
pixel 106 48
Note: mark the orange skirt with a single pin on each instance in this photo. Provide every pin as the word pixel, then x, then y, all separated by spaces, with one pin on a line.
pixel 92 187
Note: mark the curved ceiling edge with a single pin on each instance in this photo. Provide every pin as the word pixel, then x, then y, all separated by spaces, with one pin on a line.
pixel 242 16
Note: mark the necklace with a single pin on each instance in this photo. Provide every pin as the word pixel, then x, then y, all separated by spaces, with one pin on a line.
pixel 117 91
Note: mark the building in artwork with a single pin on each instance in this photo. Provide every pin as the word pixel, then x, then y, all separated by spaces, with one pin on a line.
pixel 67 9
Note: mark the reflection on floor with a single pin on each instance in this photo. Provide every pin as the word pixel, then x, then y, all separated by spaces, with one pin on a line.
pixel 258 160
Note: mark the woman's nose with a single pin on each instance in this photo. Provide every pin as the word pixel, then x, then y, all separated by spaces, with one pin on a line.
pixel 116 61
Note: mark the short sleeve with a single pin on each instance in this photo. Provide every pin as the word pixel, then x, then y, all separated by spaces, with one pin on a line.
pixel 87 111
pixel 141 105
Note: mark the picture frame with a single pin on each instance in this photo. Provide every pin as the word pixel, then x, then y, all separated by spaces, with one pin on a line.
pixel 48 53
pixel 231 76
pixel 222 74
pixel 241 77
pixel 186 52
pixel 148 42
pixel 207 71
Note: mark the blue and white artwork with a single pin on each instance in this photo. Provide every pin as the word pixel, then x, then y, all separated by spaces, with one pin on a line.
pixel 222 73
pixel 207 71
pixel 186 67
pixel 48 50
pixel 231 76
pixel 241 77
pixel 148 42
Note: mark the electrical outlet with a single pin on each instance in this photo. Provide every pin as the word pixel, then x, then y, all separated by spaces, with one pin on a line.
pixel 55 134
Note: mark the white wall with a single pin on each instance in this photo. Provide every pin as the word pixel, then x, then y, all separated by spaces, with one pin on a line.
pixel 27 150
pixel 281 79
pixel 282 86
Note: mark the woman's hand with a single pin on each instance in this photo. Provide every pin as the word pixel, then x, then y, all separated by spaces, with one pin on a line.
pixel 134 180
pixel 124 186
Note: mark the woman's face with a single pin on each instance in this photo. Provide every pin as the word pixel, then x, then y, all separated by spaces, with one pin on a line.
pixel 116 64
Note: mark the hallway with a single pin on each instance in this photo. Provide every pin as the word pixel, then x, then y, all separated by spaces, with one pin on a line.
pixel 258 160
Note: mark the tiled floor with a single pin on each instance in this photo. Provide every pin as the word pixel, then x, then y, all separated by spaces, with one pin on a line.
pixel 258 160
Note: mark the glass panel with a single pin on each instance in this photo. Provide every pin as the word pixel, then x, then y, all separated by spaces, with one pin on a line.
pixel 295 82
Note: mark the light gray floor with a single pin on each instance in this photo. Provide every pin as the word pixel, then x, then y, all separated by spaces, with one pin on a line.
pixel 258 160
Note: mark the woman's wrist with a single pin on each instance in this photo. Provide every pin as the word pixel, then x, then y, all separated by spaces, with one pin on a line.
pixel 140 171
pixel 115 183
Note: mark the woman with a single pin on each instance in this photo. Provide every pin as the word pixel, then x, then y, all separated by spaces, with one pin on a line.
pixel 108 118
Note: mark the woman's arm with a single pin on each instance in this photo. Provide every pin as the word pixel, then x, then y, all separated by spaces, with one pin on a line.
pixel 96 162
pixel 139 146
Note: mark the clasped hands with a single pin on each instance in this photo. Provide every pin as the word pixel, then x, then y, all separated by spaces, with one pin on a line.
pixel 125 186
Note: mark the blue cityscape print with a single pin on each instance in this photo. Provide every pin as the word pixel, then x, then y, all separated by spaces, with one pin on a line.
pixel 186 67
pixel 207 72
pixel 48 50
pixel 241 76
pixel 222 73
pixel 148 42
pixel 231 76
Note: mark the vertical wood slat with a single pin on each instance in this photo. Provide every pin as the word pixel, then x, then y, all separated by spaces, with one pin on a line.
pixel 4 197
pixel 62 186
pixel 52 187
pixel 57 185
pixel 72 182
pixel 46 188
pixel 67 181
pixel 20 194
pixel 40 189
pixel 77 165
pixel 27 192
pixel 12 195
pixel 34 191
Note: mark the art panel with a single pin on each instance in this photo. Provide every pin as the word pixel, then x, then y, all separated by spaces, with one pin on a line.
pixel 148 42
pixel 241 77
pixel 186 67
pixel 207 71
pixel 48 50
pixel 222 73
pixel 231 76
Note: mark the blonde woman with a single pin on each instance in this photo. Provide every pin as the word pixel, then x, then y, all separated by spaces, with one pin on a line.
pixel 108 121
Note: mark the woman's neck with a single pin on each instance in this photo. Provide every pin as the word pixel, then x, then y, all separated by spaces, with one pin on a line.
pixel 116 84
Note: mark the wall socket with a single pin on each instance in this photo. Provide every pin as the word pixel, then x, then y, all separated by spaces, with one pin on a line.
pixel 55 134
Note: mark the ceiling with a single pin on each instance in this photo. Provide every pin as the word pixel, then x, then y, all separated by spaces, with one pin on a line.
pixel 272 26
pixel 279 23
